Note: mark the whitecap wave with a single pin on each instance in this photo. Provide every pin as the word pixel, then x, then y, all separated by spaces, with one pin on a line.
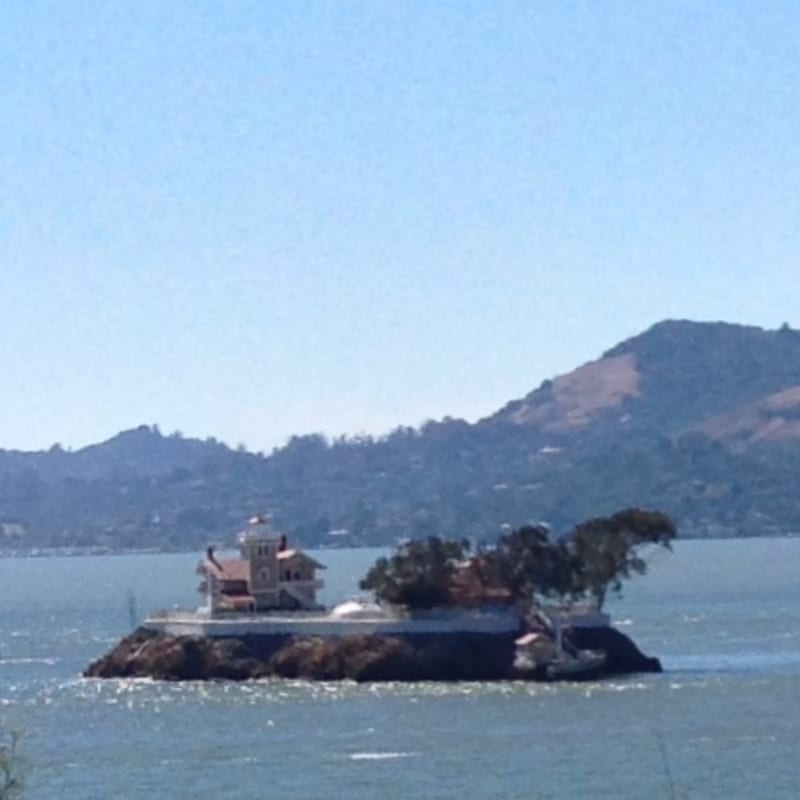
pixel 380 756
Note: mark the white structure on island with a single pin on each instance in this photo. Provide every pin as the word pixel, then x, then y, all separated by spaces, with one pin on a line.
pixel 268 576
pixel 271 590
pixel 384 623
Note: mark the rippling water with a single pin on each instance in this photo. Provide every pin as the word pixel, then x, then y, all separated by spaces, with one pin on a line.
pixel 721 722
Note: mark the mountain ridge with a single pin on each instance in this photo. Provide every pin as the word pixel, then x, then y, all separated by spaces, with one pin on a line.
pixel 699 419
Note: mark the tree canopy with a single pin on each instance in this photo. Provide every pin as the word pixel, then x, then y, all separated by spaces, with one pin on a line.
pixel 608 550
pixel 527 563
pixel 419 574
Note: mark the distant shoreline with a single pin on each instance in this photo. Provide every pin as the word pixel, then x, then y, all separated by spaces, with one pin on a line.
pixel 75 552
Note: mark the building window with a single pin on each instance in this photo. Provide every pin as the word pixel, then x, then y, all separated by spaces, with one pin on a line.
pixel 263 575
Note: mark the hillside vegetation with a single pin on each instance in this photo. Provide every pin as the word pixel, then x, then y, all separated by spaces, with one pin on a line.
pixel 700 420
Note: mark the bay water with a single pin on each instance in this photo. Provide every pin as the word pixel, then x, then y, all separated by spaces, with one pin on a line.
pixel 722 721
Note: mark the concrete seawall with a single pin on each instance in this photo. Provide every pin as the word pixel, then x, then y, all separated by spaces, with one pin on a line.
pixel 189 624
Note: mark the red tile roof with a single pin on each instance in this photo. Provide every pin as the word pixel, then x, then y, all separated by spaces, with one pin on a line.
pixel 284 554
pixel 530 638
pixel 232 569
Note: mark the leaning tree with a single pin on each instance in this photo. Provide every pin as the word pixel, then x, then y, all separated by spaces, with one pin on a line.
pixel 609 550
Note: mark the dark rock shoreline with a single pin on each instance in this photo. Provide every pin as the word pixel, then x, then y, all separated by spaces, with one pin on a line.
pixel 417 657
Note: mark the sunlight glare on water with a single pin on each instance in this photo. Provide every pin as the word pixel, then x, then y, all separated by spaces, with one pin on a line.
pixel 724 711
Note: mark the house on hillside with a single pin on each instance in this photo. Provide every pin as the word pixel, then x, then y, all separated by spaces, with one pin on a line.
pixel 12 530
pixel 268 575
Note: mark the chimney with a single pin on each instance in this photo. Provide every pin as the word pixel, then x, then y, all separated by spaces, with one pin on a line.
pixel 212 558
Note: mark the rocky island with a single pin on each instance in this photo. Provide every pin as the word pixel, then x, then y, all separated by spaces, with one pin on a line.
pixel 441 616
pixel 361 657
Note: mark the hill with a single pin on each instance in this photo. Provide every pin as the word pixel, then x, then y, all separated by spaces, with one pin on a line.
pixel 700 420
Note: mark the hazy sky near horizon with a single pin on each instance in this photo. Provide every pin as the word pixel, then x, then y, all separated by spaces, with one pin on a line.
pixel 254 219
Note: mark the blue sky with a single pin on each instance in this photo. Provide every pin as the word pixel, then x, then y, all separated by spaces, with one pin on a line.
pixel 253 219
